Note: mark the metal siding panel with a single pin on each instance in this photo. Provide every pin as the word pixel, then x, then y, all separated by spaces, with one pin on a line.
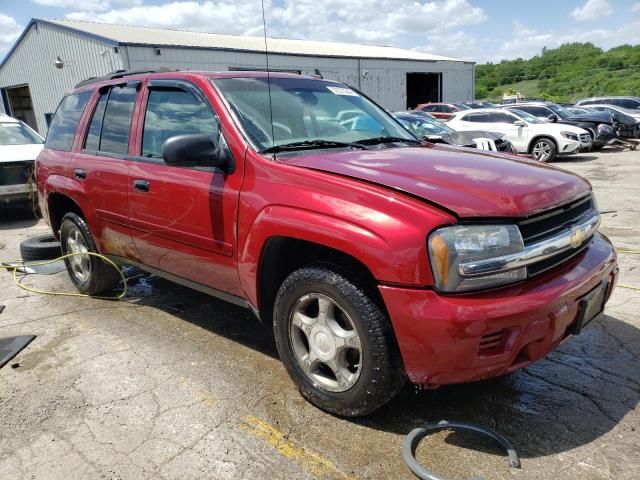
pixel 32 63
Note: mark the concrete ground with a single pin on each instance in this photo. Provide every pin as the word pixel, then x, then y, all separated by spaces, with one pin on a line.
pixel 172 384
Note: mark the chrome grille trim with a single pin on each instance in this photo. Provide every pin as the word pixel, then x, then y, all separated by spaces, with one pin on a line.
pixel 567 240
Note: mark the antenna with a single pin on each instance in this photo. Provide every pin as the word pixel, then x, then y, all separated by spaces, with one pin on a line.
pixel 266 55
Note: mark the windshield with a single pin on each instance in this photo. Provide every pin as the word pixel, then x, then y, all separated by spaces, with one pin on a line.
pixel 305 110
pixel 18 134
pixel 559 110
pixel 525 116
pixel 423 127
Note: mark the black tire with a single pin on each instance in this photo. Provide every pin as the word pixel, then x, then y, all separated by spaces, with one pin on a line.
pixel 550 144
pixel 381 374
pixel 42 247
pixel 102 277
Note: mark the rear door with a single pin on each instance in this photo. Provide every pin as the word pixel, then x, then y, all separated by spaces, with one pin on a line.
pixel 183 219
pixel 101 167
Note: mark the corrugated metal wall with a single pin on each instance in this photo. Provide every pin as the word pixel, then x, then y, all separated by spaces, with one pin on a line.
pixel 32 63
pixel 383 80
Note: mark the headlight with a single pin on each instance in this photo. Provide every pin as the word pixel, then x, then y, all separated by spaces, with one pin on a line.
pixel 603 128
pixel 570 136
pixel 451 246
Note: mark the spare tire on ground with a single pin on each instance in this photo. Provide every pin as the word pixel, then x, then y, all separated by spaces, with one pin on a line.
pixel 41 247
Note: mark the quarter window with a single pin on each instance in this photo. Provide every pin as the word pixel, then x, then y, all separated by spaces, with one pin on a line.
pixel 172 112
pixel 65 121
pixel 92 142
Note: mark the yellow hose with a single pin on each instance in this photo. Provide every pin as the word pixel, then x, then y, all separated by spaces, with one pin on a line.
pixel 21 263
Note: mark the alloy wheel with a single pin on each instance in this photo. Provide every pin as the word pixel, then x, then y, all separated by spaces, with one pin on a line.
pixel 325 342
pixel 80 264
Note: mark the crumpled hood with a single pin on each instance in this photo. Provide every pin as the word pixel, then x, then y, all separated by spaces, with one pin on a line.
pixel 596 117
pixel 14 153
pixel 469 183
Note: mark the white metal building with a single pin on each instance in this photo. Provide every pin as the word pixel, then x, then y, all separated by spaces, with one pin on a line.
pixel 51 56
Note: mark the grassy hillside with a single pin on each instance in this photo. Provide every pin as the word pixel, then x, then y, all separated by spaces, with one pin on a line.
pixel 566 73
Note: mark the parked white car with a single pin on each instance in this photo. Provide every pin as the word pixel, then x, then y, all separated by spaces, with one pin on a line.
pixel 529 135
pixel 19 147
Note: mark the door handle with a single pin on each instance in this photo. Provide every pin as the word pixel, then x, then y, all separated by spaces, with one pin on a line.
pixel 80 174
pixel 141 185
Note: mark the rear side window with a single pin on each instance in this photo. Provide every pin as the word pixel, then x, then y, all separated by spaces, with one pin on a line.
pixel 496 117
pixel 92 142
pixel 116 123
pixel 477 118
pixel 65 121
pixel 628 103
pixel 172 112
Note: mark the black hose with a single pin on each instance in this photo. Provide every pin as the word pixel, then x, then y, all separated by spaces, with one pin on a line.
pixel 416 435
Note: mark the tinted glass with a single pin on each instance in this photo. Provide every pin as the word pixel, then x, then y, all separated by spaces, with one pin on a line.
pixel 589 102
pixel 65 121
pixel 431 108
pixel 18 134
pixel 175 112
pixel 117 120
pixel 477 118
pixel 92 142
pixel 628 103
pixel 501 118
pixel 536 111
pixel 447 109
pixel 525 116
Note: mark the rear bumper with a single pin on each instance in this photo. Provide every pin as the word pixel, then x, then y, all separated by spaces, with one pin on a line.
pixel 444 338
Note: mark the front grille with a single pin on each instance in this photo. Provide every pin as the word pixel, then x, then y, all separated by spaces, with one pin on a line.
pixel 585 138
pixel 491 342
pixel 16 173
pixel 552 222
pixel 549 263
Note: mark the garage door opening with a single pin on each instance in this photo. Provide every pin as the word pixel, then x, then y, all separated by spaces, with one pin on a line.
pixel 423 88
pixel 21 106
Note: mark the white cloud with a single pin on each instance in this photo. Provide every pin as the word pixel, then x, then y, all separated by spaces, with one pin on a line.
pixel 592 10
pixel 394 22
pixel 9 32
pixel 527 42
pixel 87 5
pixel 635 8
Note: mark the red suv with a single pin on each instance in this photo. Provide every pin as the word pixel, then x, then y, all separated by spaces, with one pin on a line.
pixel 444 111
pixel 376 257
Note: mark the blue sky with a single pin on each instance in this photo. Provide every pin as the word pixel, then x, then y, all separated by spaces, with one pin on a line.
pixel 477 30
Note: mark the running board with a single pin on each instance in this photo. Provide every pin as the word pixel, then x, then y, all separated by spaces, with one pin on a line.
pixel 227 297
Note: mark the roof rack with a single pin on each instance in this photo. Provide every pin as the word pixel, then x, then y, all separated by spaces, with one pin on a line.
pixel 123 73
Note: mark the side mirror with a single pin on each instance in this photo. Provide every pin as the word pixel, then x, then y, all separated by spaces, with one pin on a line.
pixel 519 123
pixel 196 151
pixel 553 117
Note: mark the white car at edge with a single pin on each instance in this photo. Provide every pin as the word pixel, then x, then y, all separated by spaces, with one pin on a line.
pixel 529 135
pixel 19 147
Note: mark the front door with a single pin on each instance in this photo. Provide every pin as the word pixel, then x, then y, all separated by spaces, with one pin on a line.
pixel 183 219
pixel 503 122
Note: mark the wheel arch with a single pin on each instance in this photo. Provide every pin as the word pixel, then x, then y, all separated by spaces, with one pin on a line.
pixel 540 137
pixel 282 255
pixel 58 204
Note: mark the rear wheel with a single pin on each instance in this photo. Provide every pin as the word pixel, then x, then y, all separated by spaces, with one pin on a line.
pixel 90 274
pixel 544 150
pixel 336 343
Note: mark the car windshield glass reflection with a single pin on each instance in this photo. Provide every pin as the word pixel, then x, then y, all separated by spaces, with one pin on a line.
pixel 526 116
pixel 303 111
pixel 17 134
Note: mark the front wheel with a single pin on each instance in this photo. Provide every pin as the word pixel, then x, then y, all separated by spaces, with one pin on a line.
pixel 336 343
pixel 544 150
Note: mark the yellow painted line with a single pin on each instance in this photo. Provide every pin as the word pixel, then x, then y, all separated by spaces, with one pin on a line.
pixel 313 462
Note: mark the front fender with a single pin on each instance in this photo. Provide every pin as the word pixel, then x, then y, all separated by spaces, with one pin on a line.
pixel 390 258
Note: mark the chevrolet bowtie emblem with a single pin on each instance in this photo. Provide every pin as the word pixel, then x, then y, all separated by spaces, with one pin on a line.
pixel 578 236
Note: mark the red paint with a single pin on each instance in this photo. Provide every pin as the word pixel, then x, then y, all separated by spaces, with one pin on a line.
pixel 451 108
pixel 376 205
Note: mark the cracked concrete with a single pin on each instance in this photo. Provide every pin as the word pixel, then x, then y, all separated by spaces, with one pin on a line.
pixel 172 384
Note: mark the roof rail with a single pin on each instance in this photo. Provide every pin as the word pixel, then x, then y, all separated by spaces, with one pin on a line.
pixel 123 73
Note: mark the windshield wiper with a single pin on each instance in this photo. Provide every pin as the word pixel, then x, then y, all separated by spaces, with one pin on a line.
pixel 378 140
pixel 309 145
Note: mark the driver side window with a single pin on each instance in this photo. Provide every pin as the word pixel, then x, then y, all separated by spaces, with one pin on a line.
pixel 171 112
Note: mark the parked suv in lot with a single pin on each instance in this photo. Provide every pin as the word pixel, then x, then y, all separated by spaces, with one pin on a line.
pixel 375 256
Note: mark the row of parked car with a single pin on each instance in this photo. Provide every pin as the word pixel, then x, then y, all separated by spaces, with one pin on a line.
pixel 542 129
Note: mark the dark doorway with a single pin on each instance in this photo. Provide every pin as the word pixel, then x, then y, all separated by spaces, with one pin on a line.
pixel 21 105
pixel 423 88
